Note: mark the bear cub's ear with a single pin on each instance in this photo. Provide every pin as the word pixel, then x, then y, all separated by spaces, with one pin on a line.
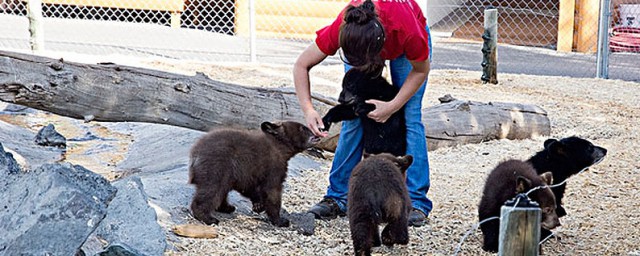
pixel 270 128
pixel 548 143
pixel 522 184
pixel 547 178
pixel 554 146
pixel 404 162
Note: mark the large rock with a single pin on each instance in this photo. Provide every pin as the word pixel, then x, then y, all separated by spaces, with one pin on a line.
pixel 8 164
pixel 51 210
pixel 131 221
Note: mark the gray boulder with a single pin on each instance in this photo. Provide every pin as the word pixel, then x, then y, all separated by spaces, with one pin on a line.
pixel 8 164
pixel 130 223
pixel 51 210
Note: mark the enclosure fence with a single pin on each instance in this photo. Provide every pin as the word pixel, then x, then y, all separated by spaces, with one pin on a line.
pixel 540 37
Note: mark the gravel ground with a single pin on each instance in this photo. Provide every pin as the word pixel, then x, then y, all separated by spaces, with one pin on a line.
pixel 603 203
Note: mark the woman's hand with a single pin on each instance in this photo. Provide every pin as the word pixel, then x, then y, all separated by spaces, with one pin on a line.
pixel 383 110
pixel 415 79
pixel 314 122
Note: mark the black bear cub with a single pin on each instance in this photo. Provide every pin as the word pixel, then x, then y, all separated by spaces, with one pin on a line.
pixel 378 194
pixel 357 87
pixel 508 179
pixel 254 163
pixel 565 158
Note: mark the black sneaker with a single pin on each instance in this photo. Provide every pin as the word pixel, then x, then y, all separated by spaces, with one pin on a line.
pixel 326 209
pixel 417 218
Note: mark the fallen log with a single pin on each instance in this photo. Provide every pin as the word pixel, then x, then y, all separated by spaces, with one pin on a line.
pixel 456 122
pixel 114 93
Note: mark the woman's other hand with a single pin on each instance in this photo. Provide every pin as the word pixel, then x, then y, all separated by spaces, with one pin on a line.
pixel 383 110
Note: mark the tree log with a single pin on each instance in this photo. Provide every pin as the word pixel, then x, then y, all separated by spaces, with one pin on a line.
pixel 457 122
pixel 114 93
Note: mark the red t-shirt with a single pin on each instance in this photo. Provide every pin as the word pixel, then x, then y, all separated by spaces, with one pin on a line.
pixel 404 27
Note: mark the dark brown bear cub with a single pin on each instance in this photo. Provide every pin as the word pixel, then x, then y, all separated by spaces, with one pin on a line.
pixel 378 194
pixel 507 180
pixel 254 163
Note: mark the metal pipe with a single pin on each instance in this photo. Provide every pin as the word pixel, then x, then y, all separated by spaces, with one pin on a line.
pixel 36 30
pixel 602 57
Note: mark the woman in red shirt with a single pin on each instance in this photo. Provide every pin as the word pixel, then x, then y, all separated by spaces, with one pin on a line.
pixel 370 32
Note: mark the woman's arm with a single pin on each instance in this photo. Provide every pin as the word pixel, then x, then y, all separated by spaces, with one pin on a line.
pixel 307 60
pixel 415 79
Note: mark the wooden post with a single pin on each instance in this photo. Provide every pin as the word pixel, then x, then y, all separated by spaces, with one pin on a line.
pixel 490 47
pixel 303 17
pixel 519 227
pixel 566 24
pixel 587 25
pixel 34 14
pixel 175 19
pixel 241 22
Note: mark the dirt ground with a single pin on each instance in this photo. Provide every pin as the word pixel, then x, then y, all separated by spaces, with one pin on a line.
pixel 603 203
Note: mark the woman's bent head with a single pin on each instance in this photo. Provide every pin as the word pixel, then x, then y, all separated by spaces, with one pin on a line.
pixel 362 38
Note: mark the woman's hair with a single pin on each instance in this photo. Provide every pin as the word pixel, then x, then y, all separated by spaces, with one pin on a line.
pixel 362 37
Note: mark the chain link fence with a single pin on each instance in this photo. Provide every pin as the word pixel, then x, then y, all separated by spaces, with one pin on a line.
pixel 526 29
pixel 624 39
pixel 541 37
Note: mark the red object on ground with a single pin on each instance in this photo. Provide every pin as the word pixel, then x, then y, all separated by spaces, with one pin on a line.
pixel 625 39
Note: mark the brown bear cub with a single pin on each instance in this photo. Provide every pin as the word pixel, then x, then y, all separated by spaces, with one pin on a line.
pixel 378 194
pixel 254 163
pixel 508 179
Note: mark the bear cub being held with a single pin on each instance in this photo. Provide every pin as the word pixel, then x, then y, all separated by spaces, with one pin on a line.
pixel 252 162
pixel 503 183
pixel 357 87
pixel 565 158
pixel 378 194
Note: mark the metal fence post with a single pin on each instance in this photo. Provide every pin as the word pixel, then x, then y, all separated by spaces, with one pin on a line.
pixel 490 46
pixel 252 31
pixel 602 58
pixel 34 14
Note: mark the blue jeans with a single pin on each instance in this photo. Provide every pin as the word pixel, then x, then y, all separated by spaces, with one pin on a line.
pixel 349 150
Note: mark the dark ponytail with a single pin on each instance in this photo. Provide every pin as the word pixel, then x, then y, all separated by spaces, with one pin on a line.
pixel 362 38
